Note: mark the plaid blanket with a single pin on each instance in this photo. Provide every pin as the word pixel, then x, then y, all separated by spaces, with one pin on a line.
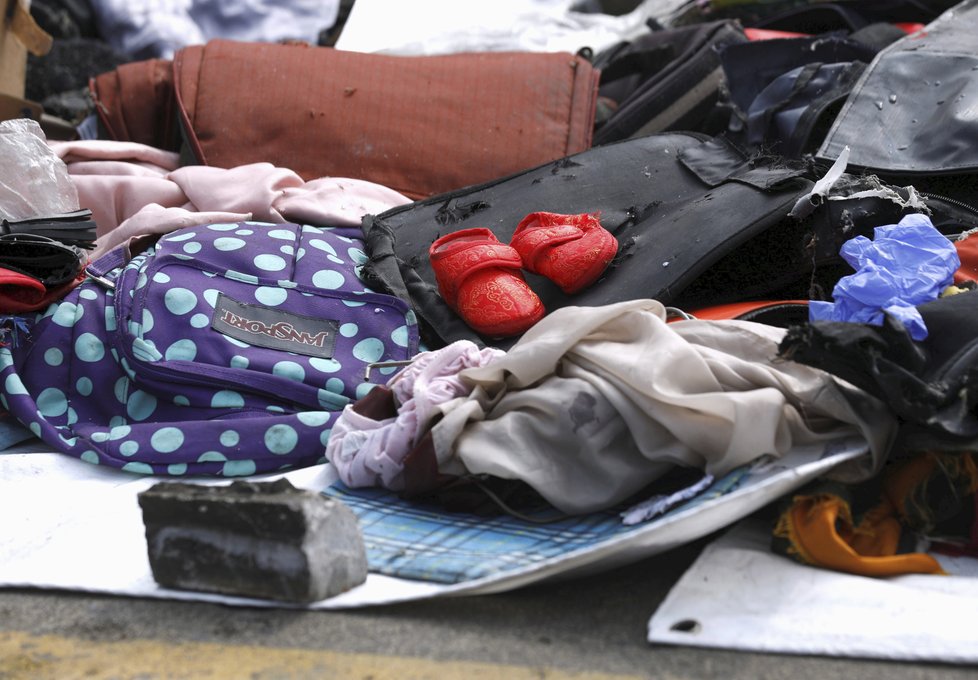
pixel 424 542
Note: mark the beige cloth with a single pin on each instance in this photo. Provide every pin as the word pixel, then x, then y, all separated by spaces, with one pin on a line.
pixel 594 403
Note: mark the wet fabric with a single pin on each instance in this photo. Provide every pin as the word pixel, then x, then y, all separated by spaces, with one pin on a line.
pixel 593 404
pixel 914 105
pixel 225 349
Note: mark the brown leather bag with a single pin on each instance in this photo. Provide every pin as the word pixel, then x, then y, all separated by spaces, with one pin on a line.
pixel 419 125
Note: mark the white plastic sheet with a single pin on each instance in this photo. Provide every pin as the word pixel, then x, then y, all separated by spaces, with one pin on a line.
pixel 739 595
pixel 73 526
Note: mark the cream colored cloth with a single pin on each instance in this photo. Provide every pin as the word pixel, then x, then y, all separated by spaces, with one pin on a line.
pixel 594 403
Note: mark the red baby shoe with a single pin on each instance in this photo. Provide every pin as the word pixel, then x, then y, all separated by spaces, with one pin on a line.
pixel 480 278
pixel 570 250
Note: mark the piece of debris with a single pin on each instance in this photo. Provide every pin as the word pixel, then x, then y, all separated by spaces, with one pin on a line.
pixel 252 539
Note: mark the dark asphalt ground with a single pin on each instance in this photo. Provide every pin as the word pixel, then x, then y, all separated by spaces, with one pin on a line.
pixel 594 624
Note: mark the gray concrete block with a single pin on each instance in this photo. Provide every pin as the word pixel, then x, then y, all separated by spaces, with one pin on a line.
pixel 252 539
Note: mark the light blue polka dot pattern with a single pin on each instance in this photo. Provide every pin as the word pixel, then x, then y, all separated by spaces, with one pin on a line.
pixel 177 469
pixel 222 227
pixel 227 399
pixel 349 330
pixel 110 323
pixel 331 401
pixel 328 279
pixel 13 385
pixel 229 244
pixel 141 405
pixel 287 284
pixel 179 300
pixel 230 438
pixel 270 263
pixel 281 439
pixel 400 336
pixel 211 457
pixel 117 421
pixel 84 386
pixel 363 389
pixel 335 385
pixel 160 277
pixel 68 314
pixel 54 356
pixel 270 296
pixel 275 409
pixel 200 321
pixel 88 347
pixel 324 437
pixel 239 468
pixel 210 295
pixel 90 457
pixel 88 294
pixel 182 350
pixel 52 403
pixel 313 418
pixel 148 322
pixel 369 350
pixel 353 303
pixel 244 232
pixel 325 365
pixel 185 236
pixel 129 448
pixel 238 361
pixel 235 341
pixel 181 400
pixel 192 248
pixel 140 468
pixel 72 416
pixel 35 429
pixel 322 245
pixel 121 390
pixel 100 437
pixel 120 432
pixel 166 440
pixel 290 370
pixel 282 234
pixel 238 276
pixel 356 255
pixel 335 259
pixel 287 250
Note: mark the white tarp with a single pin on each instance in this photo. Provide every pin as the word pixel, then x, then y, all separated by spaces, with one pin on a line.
pixel 75 526
pixel 739 595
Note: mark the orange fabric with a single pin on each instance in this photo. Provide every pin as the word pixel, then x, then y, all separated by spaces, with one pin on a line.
pixel 820 530
pixel 968 253
pixel 735 310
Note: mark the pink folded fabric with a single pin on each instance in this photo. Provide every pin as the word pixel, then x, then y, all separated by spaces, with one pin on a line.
pixel 142 189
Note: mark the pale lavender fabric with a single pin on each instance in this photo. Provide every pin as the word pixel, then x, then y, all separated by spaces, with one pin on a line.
pixel 119 180
pixel 367 452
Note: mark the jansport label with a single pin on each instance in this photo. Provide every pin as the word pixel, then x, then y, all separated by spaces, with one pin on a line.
pixel 274 329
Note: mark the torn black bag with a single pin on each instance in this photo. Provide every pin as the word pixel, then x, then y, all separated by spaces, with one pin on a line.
pixel 698 223
pixel 931 385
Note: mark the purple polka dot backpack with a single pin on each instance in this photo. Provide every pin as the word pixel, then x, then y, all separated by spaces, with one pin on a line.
pixel 226 349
